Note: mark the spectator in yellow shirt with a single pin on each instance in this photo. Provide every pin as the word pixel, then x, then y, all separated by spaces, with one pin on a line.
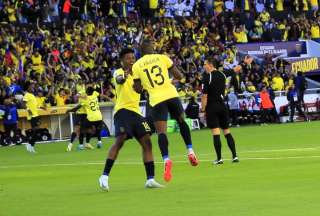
pixel 36 60
pixel 61 98
pixel 218 7
pixel 315 31
pixel 41 100
pixel 277 83
pixel 11 12
pixel 279 5
pixel 240 34
pixel 314 5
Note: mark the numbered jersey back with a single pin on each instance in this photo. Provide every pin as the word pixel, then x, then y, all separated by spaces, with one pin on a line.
pixel 152 70
pixel 91 105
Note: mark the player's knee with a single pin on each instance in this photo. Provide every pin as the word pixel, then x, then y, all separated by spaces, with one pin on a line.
pixel 119 144
pixel 146 147
pixel 215 131
pixel 226 131
pixel 180 119
pixel 120 141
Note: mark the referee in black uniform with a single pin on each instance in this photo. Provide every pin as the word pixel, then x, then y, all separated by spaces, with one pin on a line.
pixel 212 104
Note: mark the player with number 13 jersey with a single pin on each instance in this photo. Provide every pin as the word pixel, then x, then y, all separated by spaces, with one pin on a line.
pixel 151 72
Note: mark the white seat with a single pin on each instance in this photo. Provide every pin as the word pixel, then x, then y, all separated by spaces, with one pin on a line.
pixel 195 124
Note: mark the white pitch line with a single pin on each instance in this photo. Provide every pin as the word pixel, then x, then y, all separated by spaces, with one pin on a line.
pixel 157 162
pixel 262 150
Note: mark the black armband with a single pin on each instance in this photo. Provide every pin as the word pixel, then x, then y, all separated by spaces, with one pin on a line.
pixel 120 79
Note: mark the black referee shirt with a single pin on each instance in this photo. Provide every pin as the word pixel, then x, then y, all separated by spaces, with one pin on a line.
pixel 214 85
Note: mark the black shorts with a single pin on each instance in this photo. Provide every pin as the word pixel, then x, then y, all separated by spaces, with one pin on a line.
pixel 173 106
pixel 130 123
pixel 10 127
pixel 217 116
pixel 35 122
pixel 79 119
pixel 98 125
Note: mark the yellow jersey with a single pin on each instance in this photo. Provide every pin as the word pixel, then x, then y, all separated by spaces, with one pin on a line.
pixel 36 60
pixel 315 31
pixel 41 101
pixel 153 4
pixel 127 98
pixel 31 104
pixel 82 110
pixel 153 72
pixel 60 100
pixel 277 84
pixel 279 5
pixel 91 105
pixel 314 3
pixel 246 5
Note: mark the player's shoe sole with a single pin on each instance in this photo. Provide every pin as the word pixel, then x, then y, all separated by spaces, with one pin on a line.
pixel 193 159
pixel 167 176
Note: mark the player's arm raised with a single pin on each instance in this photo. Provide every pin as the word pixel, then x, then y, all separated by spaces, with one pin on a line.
pixel 74 109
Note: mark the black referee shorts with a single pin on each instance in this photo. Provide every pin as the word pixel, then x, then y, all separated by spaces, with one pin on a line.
pixel 130 123
pixel 217 116
pixel 173 106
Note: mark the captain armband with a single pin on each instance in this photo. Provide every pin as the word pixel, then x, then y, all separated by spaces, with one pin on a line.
pixel 120 79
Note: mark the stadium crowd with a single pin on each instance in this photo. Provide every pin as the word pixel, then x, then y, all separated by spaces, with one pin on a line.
pixel 62 45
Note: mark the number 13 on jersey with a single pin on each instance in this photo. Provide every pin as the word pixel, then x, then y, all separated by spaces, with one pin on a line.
pixel 155 75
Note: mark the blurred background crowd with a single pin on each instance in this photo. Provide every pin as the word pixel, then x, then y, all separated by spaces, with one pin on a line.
pixel 63 44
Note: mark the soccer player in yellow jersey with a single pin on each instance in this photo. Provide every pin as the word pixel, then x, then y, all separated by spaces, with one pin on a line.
pixel 79 119
pixel 129 122
pixel 151 72
pixel 31 105
pixel 93 119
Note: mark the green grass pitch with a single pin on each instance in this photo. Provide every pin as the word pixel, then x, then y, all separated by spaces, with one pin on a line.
pixel 278 175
